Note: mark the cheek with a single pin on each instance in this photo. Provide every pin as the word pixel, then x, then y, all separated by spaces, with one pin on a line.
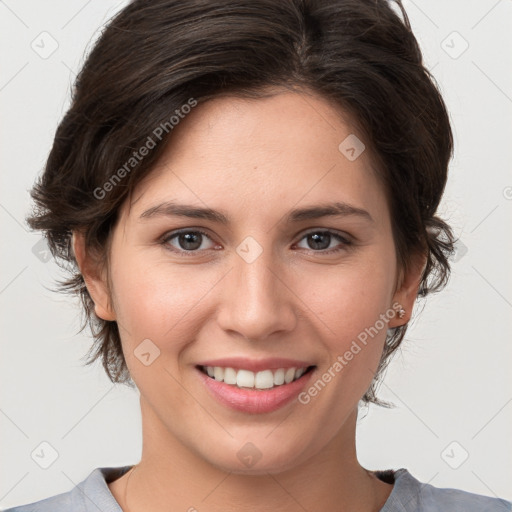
pixel 352 309
pixel 158 301
pixel 348 298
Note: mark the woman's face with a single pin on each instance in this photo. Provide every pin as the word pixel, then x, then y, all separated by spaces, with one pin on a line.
pixel 266 286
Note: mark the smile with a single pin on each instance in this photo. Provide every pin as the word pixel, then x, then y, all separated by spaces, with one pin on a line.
pixel 269 387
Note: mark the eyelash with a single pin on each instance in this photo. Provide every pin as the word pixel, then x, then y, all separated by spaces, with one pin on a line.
pixel 181 252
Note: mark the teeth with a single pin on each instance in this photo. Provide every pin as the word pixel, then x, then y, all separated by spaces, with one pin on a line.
pixel 229 376
pixel 245 379
pixel 289 375
pixel 218 373
pixel 279 377
pixel 300 372
pixel 265 379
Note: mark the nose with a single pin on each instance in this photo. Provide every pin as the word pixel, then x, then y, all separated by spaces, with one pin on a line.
pixel 257 301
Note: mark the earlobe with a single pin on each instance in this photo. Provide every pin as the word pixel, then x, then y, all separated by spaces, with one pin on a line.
pixel 405 296
pixel 95 280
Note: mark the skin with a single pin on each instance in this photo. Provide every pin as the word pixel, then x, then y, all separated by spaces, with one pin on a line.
pixel 255 160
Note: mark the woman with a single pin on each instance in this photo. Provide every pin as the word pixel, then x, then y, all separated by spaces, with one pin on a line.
pixel 247 194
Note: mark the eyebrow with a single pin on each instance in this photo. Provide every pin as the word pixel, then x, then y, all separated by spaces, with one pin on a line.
pixel 336 209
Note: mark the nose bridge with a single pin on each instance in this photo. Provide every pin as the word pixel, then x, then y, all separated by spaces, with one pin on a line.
pixel 257 302
pixel 256 278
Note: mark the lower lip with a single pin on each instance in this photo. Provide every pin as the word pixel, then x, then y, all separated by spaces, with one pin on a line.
pixel 255 401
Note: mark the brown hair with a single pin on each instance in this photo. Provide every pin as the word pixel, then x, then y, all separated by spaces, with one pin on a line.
pixel 154 57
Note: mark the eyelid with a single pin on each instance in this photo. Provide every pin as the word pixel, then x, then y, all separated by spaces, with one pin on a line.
pixel 343 234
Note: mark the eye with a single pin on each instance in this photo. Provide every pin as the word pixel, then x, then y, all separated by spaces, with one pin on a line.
pixel 319 241
pixel 190 241
pixel 186 241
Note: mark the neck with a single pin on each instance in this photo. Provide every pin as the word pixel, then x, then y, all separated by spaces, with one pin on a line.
pixel 171 477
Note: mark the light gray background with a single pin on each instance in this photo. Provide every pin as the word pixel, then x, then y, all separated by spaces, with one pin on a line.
pixel 451 381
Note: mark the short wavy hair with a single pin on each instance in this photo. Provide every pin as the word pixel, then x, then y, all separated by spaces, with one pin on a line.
pixel 152 57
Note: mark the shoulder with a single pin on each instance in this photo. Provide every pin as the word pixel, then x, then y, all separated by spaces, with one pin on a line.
pixel 409 494
pixel 92 494
pixel 60 502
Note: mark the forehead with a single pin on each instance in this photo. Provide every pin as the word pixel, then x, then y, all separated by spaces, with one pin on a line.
pixel 256 155
pixel 275 124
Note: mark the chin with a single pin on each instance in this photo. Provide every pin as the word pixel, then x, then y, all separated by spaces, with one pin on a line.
pixel 258 458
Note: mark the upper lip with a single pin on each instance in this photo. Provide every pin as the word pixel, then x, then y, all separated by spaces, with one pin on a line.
pixel 255 365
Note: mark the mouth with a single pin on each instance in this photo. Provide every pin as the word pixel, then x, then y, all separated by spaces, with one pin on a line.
pixel 263 390
pixel 255 385
pixel 262 380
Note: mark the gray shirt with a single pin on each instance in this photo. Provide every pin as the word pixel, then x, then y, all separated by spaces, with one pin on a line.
pixel 408 495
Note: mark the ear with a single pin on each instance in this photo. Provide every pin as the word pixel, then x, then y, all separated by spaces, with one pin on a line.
pixel 94 277
pixel 407 289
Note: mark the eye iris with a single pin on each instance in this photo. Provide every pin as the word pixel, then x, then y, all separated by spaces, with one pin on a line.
pixel 190 238
pixel 318 238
